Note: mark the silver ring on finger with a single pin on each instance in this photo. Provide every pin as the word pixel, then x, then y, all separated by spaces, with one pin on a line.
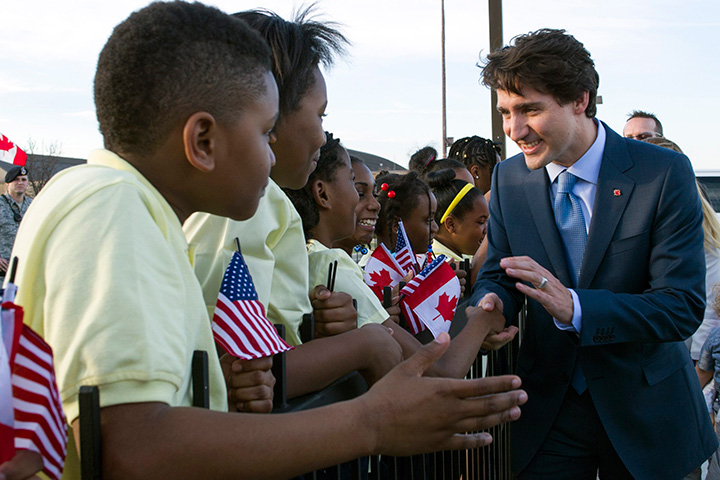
pixel 542 283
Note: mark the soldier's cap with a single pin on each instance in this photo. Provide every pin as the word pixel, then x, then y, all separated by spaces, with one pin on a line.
pixel 14 172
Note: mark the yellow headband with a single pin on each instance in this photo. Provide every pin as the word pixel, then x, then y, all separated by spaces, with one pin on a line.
pixel 455 201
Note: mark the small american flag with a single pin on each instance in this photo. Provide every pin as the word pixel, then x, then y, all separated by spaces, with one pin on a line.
pixel 403 250
pixel 39 423
pixel 239 323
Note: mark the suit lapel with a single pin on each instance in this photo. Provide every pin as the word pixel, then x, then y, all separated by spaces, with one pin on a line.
pixel 537 186
pixel 614 189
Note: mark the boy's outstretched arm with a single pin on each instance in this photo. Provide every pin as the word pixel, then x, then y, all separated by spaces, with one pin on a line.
pixel 370 350
pixel 464 348
pixel 404 413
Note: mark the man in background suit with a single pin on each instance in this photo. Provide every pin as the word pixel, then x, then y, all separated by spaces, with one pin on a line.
pixel 603 236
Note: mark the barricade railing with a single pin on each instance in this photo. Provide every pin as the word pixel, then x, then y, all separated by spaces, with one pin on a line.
pixel 487 463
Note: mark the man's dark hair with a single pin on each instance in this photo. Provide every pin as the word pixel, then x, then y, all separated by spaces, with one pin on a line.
pixel 547 60
pixel 168 61
pixel 331 158
pixel 641 114
pixel 297 46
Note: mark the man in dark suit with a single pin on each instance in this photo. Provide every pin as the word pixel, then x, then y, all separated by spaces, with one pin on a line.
pixel 603 236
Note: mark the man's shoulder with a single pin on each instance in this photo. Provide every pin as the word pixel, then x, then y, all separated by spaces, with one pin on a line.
pixel 513 166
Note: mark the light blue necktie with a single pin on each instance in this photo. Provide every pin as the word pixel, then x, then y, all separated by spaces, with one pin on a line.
pixel 571 225
pixel 570 222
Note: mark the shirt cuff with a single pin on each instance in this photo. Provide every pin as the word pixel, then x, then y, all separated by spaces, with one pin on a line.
pixel 576 325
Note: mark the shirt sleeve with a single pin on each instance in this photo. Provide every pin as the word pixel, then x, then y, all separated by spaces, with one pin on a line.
pixel 114 303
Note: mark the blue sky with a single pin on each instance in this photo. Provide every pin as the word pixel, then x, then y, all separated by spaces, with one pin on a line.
pixel 384 97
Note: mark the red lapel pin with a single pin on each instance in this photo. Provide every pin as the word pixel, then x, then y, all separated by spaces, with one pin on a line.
pixel 617 192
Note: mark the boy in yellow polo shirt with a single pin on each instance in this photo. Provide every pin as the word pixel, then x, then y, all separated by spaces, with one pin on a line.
pixel 186 104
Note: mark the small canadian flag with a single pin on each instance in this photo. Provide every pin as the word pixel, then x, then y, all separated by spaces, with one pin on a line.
pixel 10 152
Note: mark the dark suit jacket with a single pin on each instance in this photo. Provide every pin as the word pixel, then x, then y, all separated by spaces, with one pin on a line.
pixel 642 291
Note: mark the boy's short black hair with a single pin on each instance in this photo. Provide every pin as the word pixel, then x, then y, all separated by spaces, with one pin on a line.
pixel 168 61
pixel 298 47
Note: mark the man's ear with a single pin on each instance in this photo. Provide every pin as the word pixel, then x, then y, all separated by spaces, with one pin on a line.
pixel 200 141
pixel 581 104
pixel 319 191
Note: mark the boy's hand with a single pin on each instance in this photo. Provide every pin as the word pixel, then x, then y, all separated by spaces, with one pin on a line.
pixel 250 383
pixel 499 335
pixel 334 312
pixel 495 341
pixel 414 414
pixel 462 277
pixel 394 311
pixel 24 465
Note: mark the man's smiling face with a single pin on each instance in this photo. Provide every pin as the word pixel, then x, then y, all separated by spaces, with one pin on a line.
pixel 544 130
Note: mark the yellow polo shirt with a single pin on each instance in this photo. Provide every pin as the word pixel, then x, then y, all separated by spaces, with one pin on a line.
pixel 273 246
pixel 105 276
pixel 349 279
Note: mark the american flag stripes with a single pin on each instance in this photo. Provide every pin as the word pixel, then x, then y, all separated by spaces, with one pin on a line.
pixel 239 323
pixel 403 250
pixel 39 418
pixel 39 423
pixel 7 415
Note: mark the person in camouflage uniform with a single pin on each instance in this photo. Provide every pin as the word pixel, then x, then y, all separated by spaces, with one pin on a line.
pixel 13 205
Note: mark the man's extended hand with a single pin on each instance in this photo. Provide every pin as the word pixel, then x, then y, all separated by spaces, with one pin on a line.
pixel 414 414
pixel 334 312
pixel 554 296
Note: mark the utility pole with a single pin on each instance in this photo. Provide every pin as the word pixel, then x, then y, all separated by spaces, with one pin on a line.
pixel 444 107
pixel 496 42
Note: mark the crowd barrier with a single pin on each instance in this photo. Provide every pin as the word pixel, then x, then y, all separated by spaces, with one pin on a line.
pixel 488 463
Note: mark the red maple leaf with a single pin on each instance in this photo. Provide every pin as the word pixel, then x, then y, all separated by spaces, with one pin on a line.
pixel 381 278
pixel 5 143
pixel 446 307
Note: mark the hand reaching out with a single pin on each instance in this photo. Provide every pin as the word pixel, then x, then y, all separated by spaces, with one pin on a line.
pixel 546 288
pixel 414 414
